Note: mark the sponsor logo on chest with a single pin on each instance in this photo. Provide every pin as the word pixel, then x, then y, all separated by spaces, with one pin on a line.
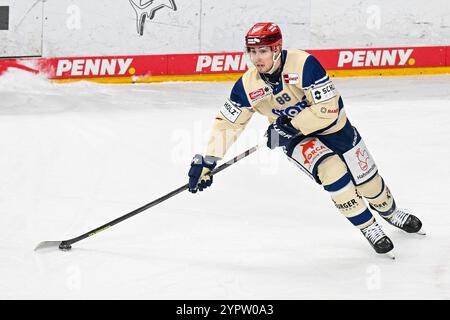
pixel 259 94
pixel 291 78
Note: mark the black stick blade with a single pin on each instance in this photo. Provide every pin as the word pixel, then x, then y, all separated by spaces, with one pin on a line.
pixel 48 245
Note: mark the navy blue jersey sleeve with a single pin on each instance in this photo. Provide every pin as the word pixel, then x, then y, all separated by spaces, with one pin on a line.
pixel 238 95
pixel 313 73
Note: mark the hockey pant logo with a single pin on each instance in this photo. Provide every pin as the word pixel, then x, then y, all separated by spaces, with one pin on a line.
pixel 308 154
pixel 360 163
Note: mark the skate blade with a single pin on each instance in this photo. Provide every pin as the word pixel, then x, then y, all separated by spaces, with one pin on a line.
pixel 390 255
pixel 422 232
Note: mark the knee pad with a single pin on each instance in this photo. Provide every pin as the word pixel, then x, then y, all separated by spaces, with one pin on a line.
pixel 378 195
pixel 337 181
pixel 352 206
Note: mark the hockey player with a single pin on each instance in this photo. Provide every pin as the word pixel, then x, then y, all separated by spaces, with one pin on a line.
pixel 308 121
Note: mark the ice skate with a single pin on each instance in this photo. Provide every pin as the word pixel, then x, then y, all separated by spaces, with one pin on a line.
pixel 409 223
pixel 378 239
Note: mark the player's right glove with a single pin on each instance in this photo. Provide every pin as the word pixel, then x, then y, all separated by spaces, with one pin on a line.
pixel 281 132
pixel 198 177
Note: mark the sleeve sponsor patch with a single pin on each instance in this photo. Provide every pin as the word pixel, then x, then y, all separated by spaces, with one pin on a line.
pixel 324 93
pixel 230 111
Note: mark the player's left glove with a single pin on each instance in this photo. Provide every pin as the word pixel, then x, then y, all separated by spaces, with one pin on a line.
pixel 198 174
pixel 281 132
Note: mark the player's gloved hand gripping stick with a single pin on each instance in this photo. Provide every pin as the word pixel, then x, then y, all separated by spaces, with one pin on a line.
pixel 67 244
pixel 281 132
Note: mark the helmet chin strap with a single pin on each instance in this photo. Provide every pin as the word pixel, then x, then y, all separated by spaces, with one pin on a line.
pixel 275 60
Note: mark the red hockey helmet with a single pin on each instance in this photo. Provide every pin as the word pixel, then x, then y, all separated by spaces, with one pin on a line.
pixel 264 34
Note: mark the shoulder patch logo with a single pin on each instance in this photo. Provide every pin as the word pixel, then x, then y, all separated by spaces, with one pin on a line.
pixel 324 93
pixel 230 111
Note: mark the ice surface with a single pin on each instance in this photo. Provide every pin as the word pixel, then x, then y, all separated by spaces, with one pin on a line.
pixel 74 156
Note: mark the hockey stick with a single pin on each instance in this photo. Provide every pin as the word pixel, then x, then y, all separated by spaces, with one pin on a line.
pixel 67 244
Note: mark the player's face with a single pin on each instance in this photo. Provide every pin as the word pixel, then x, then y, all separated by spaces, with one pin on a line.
pixel 261 57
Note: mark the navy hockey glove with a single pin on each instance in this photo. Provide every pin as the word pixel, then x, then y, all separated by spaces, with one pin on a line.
pixel 281 132
pixel 198 177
